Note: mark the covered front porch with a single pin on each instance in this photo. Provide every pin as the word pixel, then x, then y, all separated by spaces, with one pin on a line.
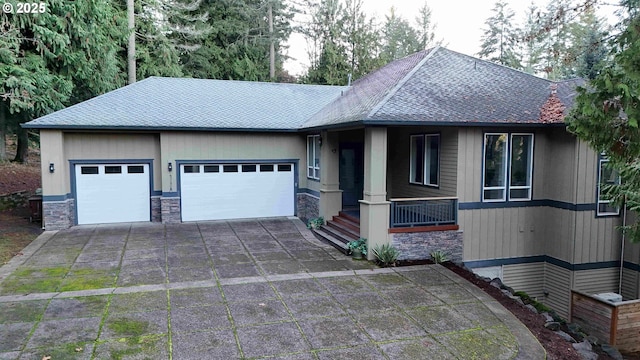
pixel 366 190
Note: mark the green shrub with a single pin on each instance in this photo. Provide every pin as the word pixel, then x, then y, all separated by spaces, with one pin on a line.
pixel 315 223
pixel 439 256
pixel 358 244
pixel 386 255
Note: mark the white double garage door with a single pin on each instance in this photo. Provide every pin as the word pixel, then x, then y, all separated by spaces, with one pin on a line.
pixel 113 193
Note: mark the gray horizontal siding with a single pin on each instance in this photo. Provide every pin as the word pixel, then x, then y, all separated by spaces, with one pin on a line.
pixel 525 277
pixel 557 282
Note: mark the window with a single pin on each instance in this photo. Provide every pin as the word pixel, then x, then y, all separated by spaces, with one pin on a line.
pixel 425 159
pixel 89 170
pixel 266 168
pixel 521 169
pixel 135 169
pixel 249 168
pixel 510 155
pixel 313 157
pixel 211 168
pixel 191 169
pixel 607 175
pixel 284 168
pixel 230 168
pixel 113 169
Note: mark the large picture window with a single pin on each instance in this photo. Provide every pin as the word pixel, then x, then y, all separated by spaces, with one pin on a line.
pixel 425 159
pixel 607 175
pixel 313 157
pixel 508 165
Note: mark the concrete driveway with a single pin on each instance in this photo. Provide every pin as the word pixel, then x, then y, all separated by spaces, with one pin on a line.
pixel 238 290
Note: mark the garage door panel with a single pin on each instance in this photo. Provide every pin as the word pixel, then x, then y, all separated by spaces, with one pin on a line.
pixel 252 191
pixel 112 197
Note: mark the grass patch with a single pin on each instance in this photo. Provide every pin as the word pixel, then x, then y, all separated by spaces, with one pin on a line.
pixel 12 244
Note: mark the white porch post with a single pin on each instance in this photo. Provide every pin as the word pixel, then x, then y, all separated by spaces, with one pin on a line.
pixel 374 207
pixel 330 193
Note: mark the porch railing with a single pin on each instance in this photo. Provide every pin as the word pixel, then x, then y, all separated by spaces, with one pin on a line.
pixel 432 211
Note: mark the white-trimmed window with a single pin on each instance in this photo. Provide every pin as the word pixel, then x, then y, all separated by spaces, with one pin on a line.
pixel 607 175
pixel 425 159
pixel 507 167
pixel 313 157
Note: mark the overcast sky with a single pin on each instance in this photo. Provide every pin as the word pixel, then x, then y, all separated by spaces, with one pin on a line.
pixel 459 23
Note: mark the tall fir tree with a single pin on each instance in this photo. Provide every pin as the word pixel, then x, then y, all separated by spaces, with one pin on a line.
pixel 426 28
pixel 499 38
pixel 56 58
pixel 532 41
pixel 399 38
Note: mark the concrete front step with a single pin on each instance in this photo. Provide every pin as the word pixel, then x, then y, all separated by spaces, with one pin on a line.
pixel 335 241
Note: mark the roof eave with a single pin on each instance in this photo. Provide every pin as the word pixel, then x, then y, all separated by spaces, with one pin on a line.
pixel 154 128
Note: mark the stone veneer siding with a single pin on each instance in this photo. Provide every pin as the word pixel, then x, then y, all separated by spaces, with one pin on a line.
pixel 419 245
pixel 308 207
pixel 58 215
pixel 156 209
pixel 170 210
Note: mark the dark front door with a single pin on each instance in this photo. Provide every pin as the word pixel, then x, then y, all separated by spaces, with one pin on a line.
pixel 351 173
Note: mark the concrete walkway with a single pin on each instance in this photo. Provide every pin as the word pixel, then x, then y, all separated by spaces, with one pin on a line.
pixel 238 290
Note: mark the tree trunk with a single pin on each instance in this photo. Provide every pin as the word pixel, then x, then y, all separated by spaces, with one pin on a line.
pixel 23 145
pixel 3 126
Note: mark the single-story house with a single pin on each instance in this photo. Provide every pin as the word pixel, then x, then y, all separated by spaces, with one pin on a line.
pixel 435 151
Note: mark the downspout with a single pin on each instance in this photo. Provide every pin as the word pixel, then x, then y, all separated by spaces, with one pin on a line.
pixel 624 223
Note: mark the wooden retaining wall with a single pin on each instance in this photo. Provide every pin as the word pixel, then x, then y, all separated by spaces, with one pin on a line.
pixel 617 324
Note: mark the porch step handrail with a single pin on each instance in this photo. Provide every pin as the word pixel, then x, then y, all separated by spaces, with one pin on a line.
pixel 424 199
pixel 425 211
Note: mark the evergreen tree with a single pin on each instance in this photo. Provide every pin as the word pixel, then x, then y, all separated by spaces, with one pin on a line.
pixel 532 41
pixel 237 46
pixel 55 58
pixel 425 28
pixel 399 38
pixel 156 54
pixel 362 39
pixel 499 38
pixel 588 45
pixel 607 113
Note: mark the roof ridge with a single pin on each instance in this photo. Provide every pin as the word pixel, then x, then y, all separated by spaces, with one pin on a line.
pixel 402 81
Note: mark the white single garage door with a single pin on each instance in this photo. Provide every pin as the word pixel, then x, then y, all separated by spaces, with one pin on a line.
pixel 236 191
pixel 112 193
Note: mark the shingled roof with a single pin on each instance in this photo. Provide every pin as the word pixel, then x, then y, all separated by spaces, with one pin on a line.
pixel 158 103
pixel 440 86
pixel 435 87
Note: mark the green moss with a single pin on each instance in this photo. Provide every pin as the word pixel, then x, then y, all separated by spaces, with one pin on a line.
pixel 66 351
pixel 44 272
pixel 16 285
pixel 130 328
pixel 74 283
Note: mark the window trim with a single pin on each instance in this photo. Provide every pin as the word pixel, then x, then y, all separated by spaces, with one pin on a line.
pixel 484 171
pixel 506 195
pixel 530 170
pixel 426 178
pixel 603 159
pixel 312 169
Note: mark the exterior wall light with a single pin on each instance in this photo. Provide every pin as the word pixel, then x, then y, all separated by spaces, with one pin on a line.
pixel 170 167
pixel 51 168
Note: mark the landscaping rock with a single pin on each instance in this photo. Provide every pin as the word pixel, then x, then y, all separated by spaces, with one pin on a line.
pixel 518 300
pixel 496 283
pixel 532 308
pixel 592 340
pixel 552 325
pixel 585 350
pixel 547 317
pixel 574 328
pixel 565 336
pixel 583 346
pixel 611 351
